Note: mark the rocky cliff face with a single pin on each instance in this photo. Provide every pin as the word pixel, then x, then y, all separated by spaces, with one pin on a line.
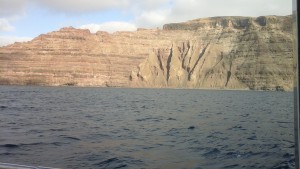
pixel 219 52
pixel 77 57
pixel 224 52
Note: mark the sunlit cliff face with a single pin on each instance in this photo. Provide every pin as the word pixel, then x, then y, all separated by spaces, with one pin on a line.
pixel 223 52
pixel 219 52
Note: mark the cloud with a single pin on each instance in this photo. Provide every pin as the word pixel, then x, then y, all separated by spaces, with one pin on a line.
pixel 143 13
pixel 81 6
pixel 183 10
pixel 153 18
pixel 10 8
pixel 148 4
pixel 5 25
pixel 109 27
pixel 138 7
pixel 207 8
pixel 6 40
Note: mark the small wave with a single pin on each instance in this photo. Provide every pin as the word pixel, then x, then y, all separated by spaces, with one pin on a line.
pixel 57 129
pixel 111 163
pixel 14 146
pixel 180 110
pixel 10 146
pixel 233 155
pixel 149 118
pixel 148 147
pixel 288 155
pixel 6 154
pixel 283 122
pixel 34 131
pixel 28 107
pixel 252 138
pixel 89 116
pixel 237 127
pixel 38 144
pixel 33 144
pixel 245 115
pixel 3 107
pixel 285 165
pixel 121 166
pixel 57 143
pixel 231 166
pixel 71 138
pixel 212 136
pixel 144 107
pixel 268 146
pixel 173 132
pixel 212 152
pixel 245 154
pixel 108 161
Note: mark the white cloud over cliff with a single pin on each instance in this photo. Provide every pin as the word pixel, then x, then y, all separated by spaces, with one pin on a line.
pixel 5 25
pixel 110 27
pixel 140 13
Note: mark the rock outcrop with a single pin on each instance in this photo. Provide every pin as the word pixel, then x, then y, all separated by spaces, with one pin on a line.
pixel 77 57
pixel 219 52
pixel 224 52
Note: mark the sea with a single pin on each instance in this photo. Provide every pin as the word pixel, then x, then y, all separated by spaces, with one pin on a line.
pixel 92 128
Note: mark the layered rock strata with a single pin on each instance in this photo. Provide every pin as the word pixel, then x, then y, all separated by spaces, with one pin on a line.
pixel 226 53
pixel 219 52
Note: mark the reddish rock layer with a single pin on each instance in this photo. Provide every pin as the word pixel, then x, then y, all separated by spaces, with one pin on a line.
pixel 219 52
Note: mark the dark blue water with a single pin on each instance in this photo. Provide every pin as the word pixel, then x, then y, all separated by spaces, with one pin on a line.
pixel 146 128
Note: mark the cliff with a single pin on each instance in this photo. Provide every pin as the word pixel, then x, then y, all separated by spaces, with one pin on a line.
pixel 218 52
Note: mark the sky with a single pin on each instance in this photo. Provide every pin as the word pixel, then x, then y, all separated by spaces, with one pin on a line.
pixel 22 20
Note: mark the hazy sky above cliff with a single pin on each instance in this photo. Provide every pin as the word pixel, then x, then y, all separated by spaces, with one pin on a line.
pixel 24 19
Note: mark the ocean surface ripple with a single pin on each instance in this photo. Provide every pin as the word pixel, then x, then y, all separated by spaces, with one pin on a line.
pixel 74 128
